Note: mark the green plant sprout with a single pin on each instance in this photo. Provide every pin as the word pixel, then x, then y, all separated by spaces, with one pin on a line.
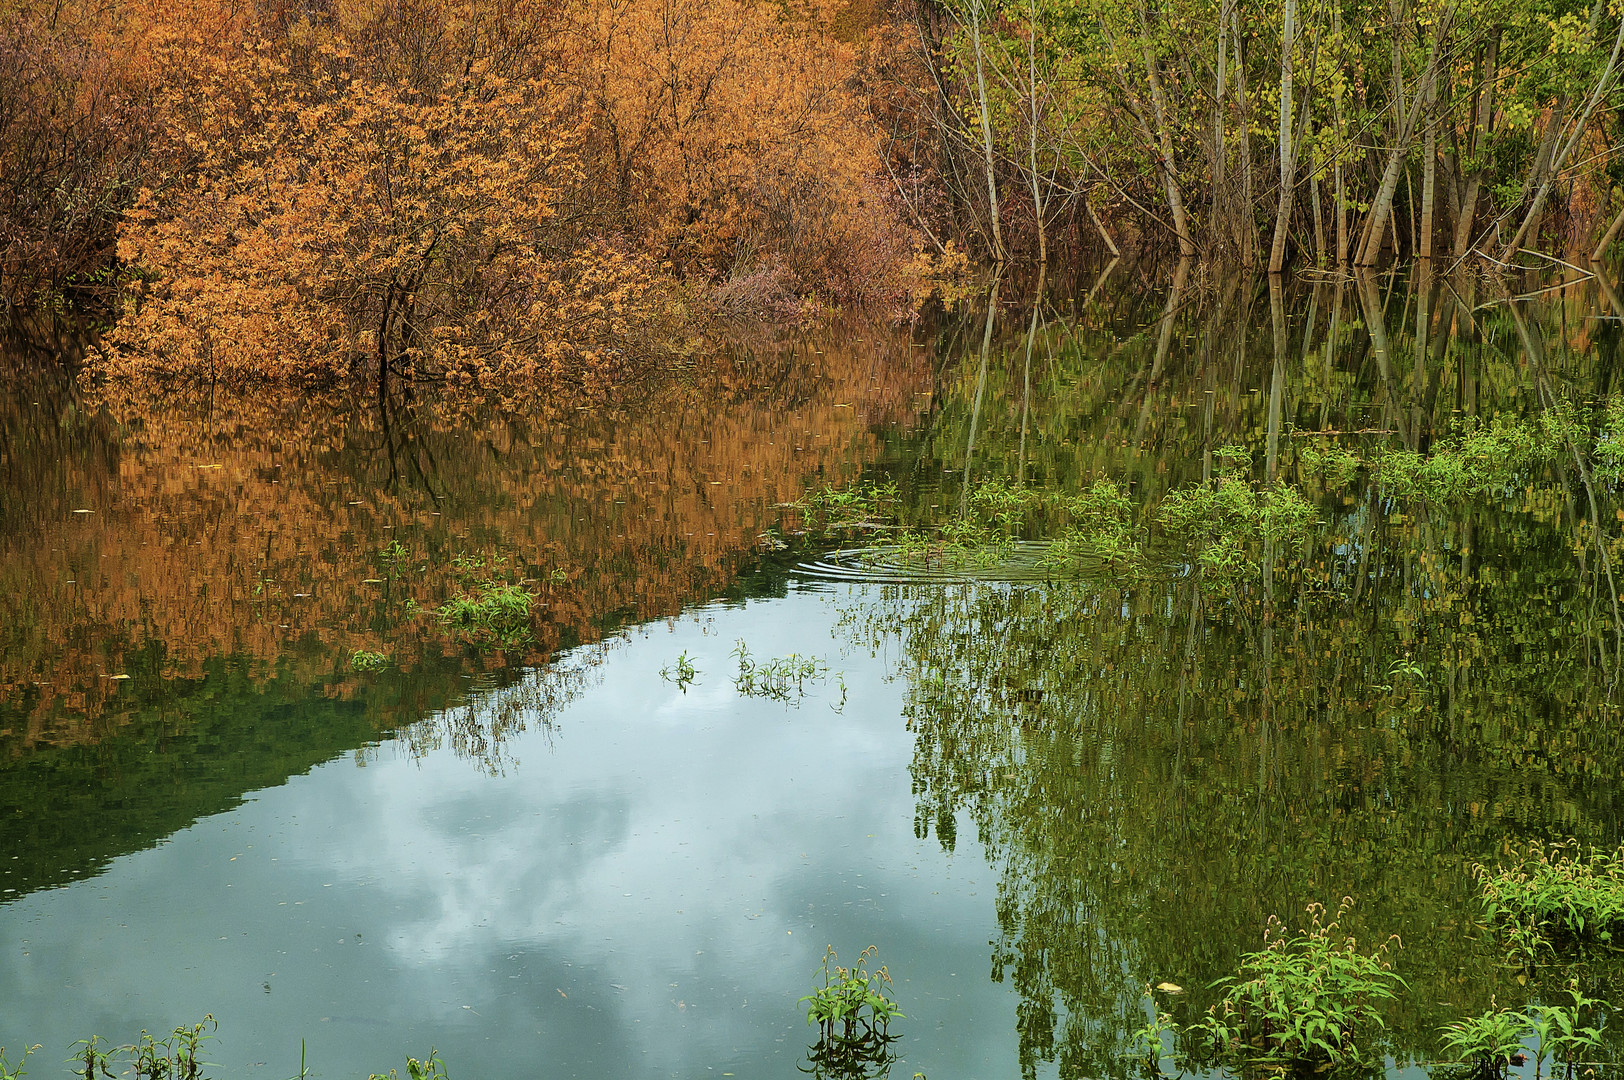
pixel 681 671
pixel 430 1068
pixel 852 1005
pixel 13 1070
pixel 781 678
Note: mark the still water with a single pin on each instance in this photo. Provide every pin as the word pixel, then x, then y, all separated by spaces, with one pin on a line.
pixel 1033 796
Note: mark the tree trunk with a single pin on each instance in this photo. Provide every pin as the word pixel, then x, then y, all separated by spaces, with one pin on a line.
pixel 1429 172
pixel 1481 130
pixel 1249 239
pixel 1158 102
pixel 986 130
pixel 1608 238
pixel 1288 153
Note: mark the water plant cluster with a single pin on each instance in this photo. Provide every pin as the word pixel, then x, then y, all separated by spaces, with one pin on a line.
pixel 1556 895
pixel 178 1056
pixel 852 1009
pixel 1225 527
pixel 1311 1000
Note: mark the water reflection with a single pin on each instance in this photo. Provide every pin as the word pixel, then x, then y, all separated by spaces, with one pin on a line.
pixel 1147 766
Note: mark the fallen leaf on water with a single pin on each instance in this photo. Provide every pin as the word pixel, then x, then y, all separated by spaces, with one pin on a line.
pixel 1170 988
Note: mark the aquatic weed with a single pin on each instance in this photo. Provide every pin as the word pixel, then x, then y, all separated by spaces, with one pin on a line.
pixel 681 671
pixel 781 678
pixel 1557 893
pixel 10 1070
pixel 495 614
pixel 362 660
pixel 1306 1000
pixel 1484 1047
pixel 430 1068
pixel 853 1003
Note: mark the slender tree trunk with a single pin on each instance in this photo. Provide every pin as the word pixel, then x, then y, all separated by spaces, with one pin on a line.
pixel 986 130
pixel 1608 238
pixel 1220 194
pixel 1482 128
pixel 1158 102
pixel 1429 172
pixel 1248 216
pixel 1314 199
pixel 1341 136
pixel 1110 245
pixel 1288 152
pixel 1038 201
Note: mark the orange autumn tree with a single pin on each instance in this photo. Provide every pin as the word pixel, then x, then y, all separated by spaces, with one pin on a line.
pixel 732 137
pixel 321 215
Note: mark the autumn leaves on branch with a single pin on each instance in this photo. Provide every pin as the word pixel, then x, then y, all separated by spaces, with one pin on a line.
pixel 471 191
pixel 536 191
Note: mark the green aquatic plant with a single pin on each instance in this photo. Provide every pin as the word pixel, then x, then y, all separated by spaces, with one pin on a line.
pixel 867 506
pixel 13 1070
pixel 1307 1001
pixel 1149 1042
pixel 1485 1046
pixel 176 1056
pixel 362 660
pixel 680 671
pixel 1335 465
pixel 1223 522
pixel 853 1005
pixel 1557 893
pixel 495 614
pixel 1561 1034
pixel 430 1068
pixel 782 678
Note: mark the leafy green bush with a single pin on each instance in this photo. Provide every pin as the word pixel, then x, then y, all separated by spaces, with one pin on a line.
pixel 1307 1001
pixel 496 614
pixel 852 1004
pixel 1557 893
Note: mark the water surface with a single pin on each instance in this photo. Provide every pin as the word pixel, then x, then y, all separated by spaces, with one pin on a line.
pixel 1034 794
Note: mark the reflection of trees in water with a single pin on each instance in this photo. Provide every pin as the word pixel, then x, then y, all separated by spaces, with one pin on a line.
pixel 1156 766
pixel 481 728
pixel 306 527
pixel 1153 772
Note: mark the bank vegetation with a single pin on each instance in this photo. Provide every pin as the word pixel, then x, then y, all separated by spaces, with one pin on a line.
pixel 529 192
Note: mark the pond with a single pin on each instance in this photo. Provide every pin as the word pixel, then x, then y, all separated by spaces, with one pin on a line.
pixel 249 769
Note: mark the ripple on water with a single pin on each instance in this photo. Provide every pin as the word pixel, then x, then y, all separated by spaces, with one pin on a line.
pixel 893 564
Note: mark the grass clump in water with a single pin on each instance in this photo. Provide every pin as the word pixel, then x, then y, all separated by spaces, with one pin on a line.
pixel 362 660
pixel 782 678
pixel 1223 521
pixel 852 1011
pixel 494 614
pixel 1557 895
pixel 1306 1002
pixel 1485 1047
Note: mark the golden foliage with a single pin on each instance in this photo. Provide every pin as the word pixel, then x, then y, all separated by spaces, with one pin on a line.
pixel 319 217
pixel 179 529
pixel 734 139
